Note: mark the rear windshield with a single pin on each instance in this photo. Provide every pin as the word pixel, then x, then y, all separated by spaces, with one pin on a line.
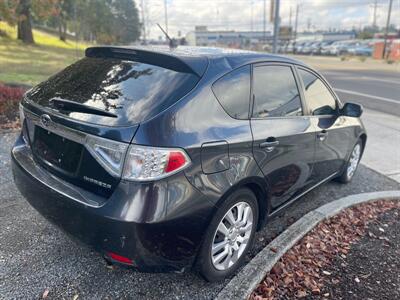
pixel 133 91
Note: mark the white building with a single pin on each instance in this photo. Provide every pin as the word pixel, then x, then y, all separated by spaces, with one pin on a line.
pixel 201 36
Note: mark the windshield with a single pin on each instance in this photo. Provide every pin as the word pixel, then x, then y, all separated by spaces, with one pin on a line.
pixel 133 91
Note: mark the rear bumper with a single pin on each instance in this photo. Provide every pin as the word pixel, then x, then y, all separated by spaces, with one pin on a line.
pixel 159 226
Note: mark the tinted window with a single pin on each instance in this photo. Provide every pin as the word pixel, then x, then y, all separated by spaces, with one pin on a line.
pixel 275 92
pixel 233 92
pixel 134 91
pixel 319 99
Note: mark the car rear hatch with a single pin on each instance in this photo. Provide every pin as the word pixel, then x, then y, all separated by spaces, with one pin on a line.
pixel 80 121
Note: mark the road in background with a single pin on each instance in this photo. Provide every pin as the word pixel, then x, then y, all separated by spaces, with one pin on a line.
pixel 377 90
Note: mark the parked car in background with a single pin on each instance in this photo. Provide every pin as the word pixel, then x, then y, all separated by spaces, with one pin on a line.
pixel 315 48
pixel 167 160
pixel 335 47
pixel 289 47
pixel 298 47
pixel 324 47
pixel 364 48
pixel 306 48
pixel 342 47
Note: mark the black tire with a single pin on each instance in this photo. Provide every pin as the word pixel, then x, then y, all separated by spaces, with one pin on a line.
pixel 344 177
pixel 204 264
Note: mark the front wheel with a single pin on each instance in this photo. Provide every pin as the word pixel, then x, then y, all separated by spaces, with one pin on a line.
pixel 229 236
pixel 352 164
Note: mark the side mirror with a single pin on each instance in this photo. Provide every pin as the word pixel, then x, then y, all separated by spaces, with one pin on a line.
pixel 352 110
pixel 324 110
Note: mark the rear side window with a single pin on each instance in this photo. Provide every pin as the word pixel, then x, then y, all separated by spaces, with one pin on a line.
pixel 233 92
pixel 319 99
pixel 134 91
pixel 275 92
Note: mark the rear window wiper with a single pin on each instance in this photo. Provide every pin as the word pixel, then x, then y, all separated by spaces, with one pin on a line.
pixel 68 105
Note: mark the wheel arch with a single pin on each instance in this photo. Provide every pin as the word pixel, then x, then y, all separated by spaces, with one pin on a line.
pixel 258 186
pixel 363 138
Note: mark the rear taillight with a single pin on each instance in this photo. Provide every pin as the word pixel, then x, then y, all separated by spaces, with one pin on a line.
pixel 108 153
pixel 119 258
pixel 150 163
pixel 136 163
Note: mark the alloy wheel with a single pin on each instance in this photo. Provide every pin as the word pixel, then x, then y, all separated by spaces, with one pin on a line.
pixel 354 160
pixel 232 236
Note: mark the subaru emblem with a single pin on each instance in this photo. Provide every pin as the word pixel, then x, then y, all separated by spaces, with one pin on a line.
pixel 45 120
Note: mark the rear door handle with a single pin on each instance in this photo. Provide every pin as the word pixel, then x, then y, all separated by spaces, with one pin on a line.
pixel 322 135
pixel 269 146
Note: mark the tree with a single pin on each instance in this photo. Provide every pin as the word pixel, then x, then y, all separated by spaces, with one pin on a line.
pixel 21 13
pixel 65 13
pixel 7 11
pixel 24 31
pixel 125 21
pixel 96 21
pixel 103 21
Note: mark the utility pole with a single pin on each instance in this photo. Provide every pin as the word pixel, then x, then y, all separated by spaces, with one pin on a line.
pixel 143 23
pixel 374 19
pixel 290 24
pixel 166 16
pixel 387 29
pixel 264 24
pixel 295 27
pixel 251 21
pixel 276 27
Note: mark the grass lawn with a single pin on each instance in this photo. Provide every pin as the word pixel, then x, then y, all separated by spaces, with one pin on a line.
pixel 31 64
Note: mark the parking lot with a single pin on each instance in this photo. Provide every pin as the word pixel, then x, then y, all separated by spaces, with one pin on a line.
pixel 35 256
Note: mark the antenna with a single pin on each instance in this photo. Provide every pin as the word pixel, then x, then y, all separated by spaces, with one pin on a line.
pixel 172 42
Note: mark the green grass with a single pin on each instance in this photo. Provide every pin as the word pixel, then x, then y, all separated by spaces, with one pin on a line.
pixel 31 64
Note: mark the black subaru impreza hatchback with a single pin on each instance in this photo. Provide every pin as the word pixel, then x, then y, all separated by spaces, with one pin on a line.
pixel 172 159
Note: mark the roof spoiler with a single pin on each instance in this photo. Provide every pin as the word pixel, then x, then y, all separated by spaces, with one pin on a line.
pixel 186 64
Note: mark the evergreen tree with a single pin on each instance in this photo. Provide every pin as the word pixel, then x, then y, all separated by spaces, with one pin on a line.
pixel 126 24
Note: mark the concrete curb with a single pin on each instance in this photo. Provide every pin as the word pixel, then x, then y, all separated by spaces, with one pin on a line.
pixel 241 286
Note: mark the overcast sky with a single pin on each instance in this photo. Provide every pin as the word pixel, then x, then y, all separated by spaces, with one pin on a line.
pixel 183 15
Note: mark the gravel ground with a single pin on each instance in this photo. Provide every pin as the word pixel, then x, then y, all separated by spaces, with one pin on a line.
pixel 35 255
pixel 371 269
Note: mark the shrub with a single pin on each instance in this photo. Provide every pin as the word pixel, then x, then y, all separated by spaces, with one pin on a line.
pixel 9 100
